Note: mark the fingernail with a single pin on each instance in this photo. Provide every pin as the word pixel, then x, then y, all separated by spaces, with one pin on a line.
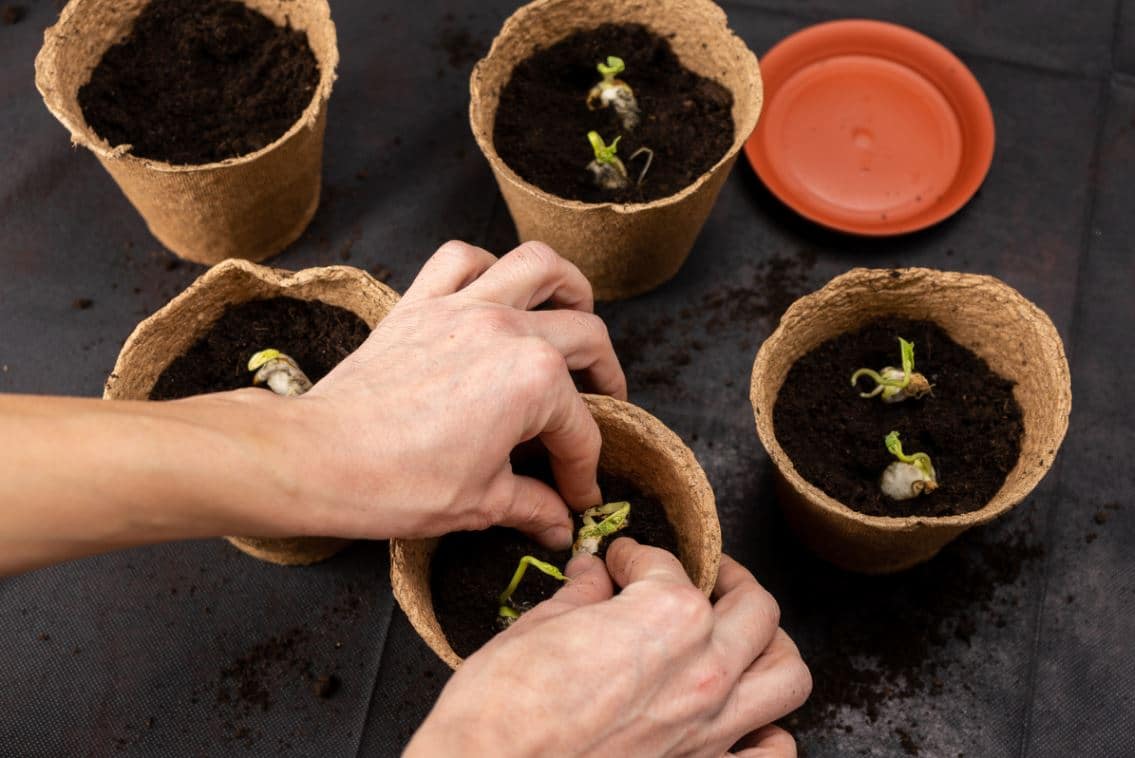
pixel 556 537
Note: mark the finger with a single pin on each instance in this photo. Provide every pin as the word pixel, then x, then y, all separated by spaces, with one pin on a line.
pixel 588 583
pixel 630 562
pixel 768 742
pixel 572 438
pixel 775 685
pixel 585 344
pixel 453 267
pixel 532 507
pixel 533 274
pixel 747 616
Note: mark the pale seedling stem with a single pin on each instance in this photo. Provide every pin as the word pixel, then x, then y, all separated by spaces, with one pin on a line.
pixel 895 385
pixel 909 475
pixel 280 372
pixel 614 93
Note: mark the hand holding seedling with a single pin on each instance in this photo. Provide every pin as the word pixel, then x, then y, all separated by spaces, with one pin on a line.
pixel 910 475
pixel 615 93
pixel 892 384
pixel 587 540
pixel 408 437
pixel 678 675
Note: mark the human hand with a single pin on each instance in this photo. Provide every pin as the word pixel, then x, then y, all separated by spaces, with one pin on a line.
pixel 410 436
pixel 656 670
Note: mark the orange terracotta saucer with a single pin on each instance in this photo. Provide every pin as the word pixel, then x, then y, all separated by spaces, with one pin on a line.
pixel 870 128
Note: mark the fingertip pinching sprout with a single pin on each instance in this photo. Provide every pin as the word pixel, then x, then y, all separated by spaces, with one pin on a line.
pixel 280 372
pixel 591 534
pixel 607 169
pixel 508 612
pixel 910 475
pixel 895 385
pixel 614 93
pixel 587 540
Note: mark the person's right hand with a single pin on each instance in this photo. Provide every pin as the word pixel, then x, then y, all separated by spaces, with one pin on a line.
pixel 410 435
pixel 654 671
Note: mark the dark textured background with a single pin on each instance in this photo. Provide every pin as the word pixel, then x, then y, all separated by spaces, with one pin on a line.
pixel 1015 641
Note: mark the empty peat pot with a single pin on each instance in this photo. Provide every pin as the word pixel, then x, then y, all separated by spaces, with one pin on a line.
pixel 160 339
pixel 637 447
pixel 251 206
pixel 980 313
pixel 623 249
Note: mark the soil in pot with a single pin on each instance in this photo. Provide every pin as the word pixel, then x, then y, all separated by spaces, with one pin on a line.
pixel 315 334
pixel 543 120
pixel 970 425
pixel 471 569
pixel 200 81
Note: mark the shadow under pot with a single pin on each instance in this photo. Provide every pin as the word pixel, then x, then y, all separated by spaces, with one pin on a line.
pixel 203 340
pixel 451 589
pixel 610 127
pixel 210 120
pixel 903 407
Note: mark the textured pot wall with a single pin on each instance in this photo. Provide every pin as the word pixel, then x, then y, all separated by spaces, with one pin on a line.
pixel 637 447
pixel 1015 338
pixel 170 332
pixel 248 207
pixel 623 249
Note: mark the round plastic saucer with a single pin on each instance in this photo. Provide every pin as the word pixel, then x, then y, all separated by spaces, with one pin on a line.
pixel 870 128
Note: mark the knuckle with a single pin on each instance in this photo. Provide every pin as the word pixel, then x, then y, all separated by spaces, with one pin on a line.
pixel 538 255
pixel 456 250
pixel 687 606
pixel 545 364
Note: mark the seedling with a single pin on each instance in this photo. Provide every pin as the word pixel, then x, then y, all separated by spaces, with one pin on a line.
pixel 910 475
pixel 508 612
pixel 895 385
pixel 592 532
pixel 587 540
pixel 615 93
pixel 607 169
pixel 280 372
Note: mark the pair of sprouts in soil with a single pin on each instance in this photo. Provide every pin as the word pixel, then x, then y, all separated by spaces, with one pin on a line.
pixel 284 377
pixel 909 475
pixel 607 168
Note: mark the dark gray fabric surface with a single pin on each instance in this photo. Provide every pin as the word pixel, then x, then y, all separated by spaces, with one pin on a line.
pixel 1019 633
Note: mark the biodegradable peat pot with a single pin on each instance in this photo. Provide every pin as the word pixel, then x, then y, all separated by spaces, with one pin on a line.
pixel 637 447
pixel 629 249
pixel 252 206
pixel 161 338
pixel 982 314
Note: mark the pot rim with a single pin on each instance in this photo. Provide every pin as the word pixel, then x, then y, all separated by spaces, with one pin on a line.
pixel 701 495
pixel 282 279
pixel 714 16
pixel 85 135
pixel 898 524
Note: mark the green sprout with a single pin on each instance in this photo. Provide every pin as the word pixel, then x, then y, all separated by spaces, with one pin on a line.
pixel 895 385
pixel 280 372
pixel 592 532
pixel 614 93
pixel 590 535
pixel 608 169
pixel 910 475
pixel 508 613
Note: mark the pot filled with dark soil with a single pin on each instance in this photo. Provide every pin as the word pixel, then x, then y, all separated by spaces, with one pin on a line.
pixel 611 126
pixel 204 339
pixel 451 588
pixel 209 114
pixel 902 407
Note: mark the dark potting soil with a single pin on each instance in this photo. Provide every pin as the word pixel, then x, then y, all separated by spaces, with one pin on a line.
pixel 970 425
pixel 315 334
pixel 471 569
pixel 199 81
pixel 542 120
